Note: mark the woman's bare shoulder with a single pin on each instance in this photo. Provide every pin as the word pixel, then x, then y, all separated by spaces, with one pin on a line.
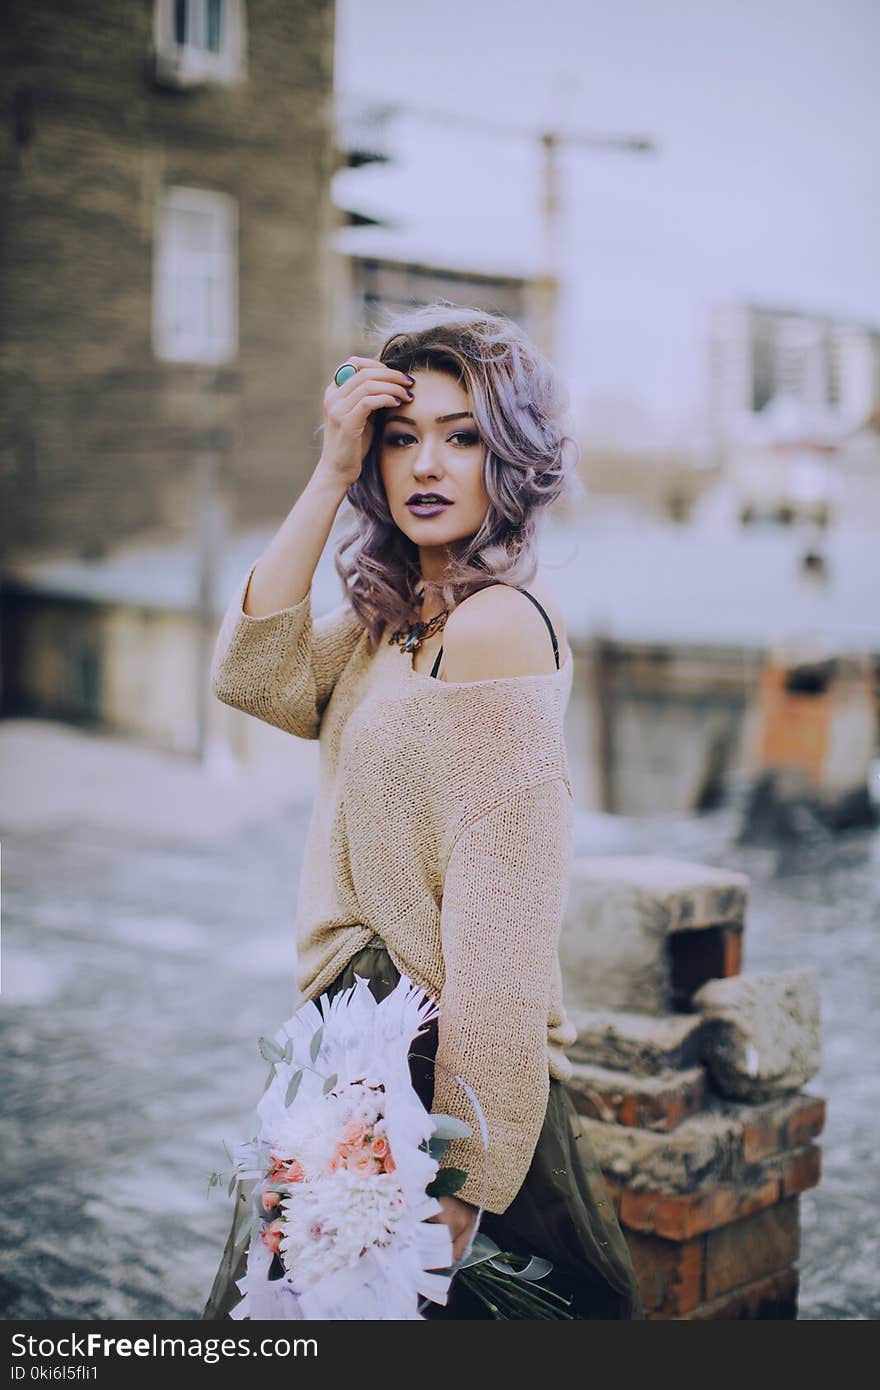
pixel 498 632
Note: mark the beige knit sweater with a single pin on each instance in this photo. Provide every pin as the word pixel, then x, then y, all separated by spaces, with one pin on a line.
pixel 442 822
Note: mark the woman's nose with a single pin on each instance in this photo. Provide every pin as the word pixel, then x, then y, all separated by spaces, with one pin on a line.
pixel 426 462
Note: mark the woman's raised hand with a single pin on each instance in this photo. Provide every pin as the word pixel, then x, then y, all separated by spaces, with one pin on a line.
pixel 349 415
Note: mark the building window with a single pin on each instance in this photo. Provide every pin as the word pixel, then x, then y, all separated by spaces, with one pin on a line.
pixel 199 41
pixel 195 277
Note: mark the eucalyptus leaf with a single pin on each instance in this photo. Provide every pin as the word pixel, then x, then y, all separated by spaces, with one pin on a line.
pixel 288 1051
pixel 315 1044
pixel 330 1083
pixel 482 1248
pixel 536 1268
pixel 293 1087
pixel 270 1050
pixel 450 1127
pixel 437 1147
pixel 447 1181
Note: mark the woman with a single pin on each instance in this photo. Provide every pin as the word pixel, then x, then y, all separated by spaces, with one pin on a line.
pixel 441 835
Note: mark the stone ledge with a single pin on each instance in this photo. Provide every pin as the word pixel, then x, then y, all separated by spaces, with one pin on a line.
pixel 762 1033
pixel 644 1044
pixel 618 945
pixel 657 1103
pixel 688 896
pixel 715 1146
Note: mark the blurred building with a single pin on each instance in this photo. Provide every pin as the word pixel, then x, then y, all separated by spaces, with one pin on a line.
pixel 167 269
pixel 757 353
pixel 375 273
pixel 794 403
pixel 378 283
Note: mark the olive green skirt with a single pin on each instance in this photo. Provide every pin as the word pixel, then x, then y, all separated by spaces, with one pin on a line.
pixel 562 1211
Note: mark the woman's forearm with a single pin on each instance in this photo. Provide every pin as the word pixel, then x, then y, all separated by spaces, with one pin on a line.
pixel 284 572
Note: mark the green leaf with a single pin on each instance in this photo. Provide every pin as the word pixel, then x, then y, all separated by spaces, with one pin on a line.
pixel 293 1087
pixel 315 1044
pixel 450 1127
pixel 437 1147
pixel 330 1083
pixel 288 1051
pixel 447 1181
pixel 271 1051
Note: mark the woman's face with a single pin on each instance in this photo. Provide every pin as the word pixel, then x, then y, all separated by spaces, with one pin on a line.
pixel 431 445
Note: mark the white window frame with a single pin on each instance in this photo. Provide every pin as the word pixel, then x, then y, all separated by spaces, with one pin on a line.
pixel 191 64
pixel 180 272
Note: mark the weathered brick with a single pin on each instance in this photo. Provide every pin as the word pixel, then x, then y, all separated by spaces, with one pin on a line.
pixel 670 1273
pixel 657 1103
pixel 697 956
pixel 770 1299
pixel 745 1251
pixel 700 1152
pixel 689 1214
pixel 782 1124
pixel 800 1169
pixel 99 436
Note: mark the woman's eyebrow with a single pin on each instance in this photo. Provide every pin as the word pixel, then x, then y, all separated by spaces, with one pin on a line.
pixel 441 419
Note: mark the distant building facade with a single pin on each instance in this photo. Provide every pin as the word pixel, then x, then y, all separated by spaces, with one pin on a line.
pixel 166 278
pixel 757 353
pixel 378 283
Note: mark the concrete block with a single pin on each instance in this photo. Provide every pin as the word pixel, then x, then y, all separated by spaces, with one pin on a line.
pixel 620 914
pixel 702 1151
pixel 636 1043
pixel 762 1032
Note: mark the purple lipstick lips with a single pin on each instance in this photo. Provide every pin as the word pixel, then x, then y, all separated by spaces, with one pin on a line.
pixel 427 503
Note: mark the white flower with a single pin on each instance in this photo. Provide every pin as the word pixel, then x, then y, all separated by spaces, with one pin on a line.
pixel 355 1244
pixel 330 1224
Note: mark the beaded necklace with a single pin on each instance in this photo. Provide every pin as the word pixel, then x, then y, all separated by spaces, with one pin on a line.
pixel 411 637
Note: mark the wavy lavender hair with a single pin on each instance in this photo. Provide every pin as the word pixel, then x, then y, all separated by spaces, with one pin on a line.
pixel 518 405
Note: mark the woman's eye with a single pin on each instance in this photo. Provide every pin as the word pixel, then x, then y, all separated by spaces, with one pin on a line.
pixel 468 438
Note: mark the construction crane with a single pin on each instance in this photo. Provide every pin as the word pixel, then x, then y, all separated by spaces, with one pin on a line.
pixel 369 134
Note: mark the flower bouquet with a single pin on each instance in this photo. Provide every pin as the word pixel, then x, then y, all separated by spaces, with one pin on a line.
pixel 344 1175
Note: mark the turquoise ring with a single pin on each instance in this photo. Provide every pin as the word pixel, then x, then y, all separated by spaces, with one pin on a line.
pixel 344 373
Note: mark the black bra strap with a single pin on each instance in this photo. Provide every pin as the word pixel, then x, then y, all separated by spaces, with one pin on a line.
pixel 436 667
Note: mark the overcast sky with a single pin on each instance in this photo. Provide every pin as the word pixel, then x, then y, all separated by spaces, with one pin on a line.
pixel 766 187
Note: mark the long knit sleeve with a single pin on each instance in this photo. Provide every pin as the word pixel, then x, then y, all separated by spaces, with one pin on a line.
pixel 282 667
pixel 504 896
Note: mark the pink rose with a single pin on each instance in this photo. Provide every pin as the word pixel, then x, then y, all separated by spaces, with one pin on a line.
pixel 389 1164
pixel 271 1236
pixel 270 1200
pixel 379 1146
pixel 353 1133
pixel 294 1172
pixel 362 1162
pixel 277 1162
